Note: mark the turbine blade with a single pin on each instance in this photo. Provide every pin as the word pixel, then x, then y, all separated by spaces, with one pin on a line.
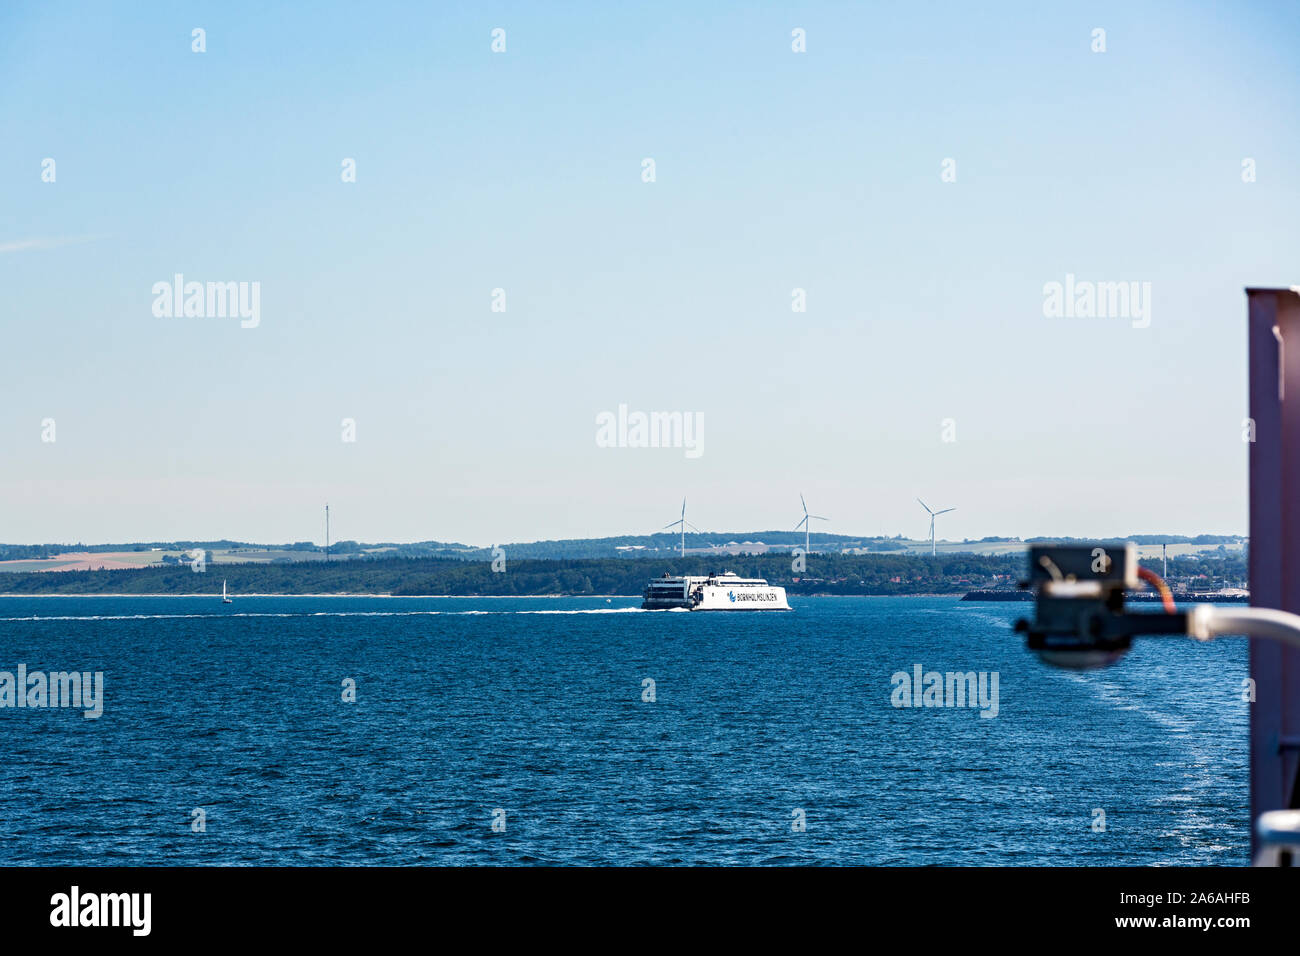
pixel 804 503
pixel 945 511
pixel 671 524
pixel 819 517
pixel 925 506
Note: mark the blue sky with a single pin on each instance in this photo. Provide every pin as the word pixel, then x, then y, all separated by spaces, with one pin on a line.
pixel 522 171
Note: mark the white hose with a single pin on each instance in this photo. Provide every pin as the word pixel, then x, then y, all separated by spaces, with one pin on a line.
pixel 1206 621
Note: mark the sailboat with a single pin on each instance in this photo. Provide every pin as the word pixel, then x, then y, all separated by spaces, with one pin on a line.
pixel 225 599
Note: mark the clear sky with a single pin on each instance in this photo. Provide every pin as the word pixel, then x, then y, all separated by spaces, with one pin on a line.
pixel 522 170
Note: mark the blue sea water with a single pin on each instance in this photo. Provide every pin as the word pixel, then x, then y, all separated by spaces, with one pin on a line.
pixel 534 707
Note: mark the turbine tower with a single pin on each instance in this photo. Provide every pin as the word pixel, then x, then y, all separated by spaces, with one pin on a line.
pixel 933 515
pixel 806 523
pixel 684 525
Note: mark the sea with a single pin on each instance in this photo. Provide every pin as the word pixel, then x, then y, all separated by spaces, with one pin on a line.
pixel 585 731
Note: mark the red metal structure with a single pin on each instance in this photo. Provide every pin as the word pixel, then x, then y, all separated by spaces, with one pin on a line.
pixel 1274 338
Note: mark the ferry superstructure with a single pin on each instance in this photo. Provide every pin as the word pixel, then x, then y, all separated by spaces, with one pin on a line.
pixel 715 592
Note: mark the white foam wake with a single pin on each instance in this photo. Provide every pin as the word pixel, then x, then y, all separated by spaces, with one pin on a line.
pixel 221 614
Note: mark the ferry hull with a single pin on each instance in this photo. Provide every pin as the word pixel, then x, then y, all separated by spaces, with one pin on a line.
pixel 722 598
pixel 718 597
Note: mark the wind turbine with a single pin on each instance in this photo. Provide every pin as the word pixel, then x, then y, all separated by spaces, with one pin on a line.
pixel 933 515
pixel 806 523
pixel 684 525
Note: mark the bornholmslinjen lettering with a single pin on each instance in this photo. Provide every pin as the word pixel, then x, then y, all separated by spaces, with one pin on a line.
pixel 951 689
pixel 57 689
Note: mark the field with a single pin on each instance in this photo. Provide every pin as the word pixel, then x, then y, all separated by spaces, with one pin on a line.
pixel 264 556
pixel 86 561
pixel 119 560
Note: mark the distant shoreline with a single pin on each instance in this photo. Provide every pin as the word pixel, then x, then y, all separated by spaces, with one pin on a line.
pixel 839 575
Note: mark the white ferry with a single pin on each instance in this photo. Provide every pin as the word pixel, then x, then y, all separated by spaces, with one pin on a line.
pixel 717 592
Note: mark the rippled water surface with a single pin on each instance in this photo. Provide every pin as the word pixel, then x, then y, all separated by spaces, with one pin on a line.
pixel 534 706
